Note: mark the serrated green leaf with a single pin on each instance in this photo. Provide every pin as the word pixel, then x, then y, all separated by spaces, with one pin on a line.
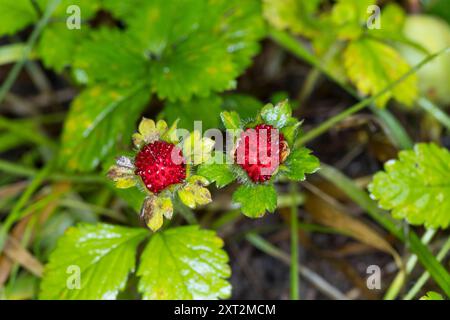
pixel 109 56
pixel 103 254
pixel 300 162
pixel 184 263
pixel 88 8
pixel 16 15
pixel 218 171
pixel 58 44
pixel 231 120
pixel 431 295
pixel 196 66
pixel 416 186
pixel 177 35
pixel 124 10
pixel 255 200
pixel 99 118
pixel 277 116
pixel 240 25
pixel 373 65
pixel 205 110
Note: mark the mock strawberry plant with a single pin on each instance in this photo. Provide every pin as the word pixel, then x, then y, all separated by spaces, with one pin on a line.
pixel 264 151
pixel 162 168
pixel 94 208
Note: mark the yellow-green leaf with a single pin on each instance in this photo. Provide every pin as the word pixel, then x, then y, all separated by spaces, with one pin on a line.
pixel 184 263
pixel 372 65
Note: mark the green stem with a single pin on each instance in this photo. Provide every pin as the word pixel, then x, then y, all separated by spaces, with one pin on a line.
pixel 12 76
pixel 294 249
pixel 434 110
pixel 426 275
pixel 308 274
pixel 12 53
pixel 26 132
pixel 428 260
pixel 394 128
pixel 325 126
pixel 15 213
pixel 398 282
pixel 19 170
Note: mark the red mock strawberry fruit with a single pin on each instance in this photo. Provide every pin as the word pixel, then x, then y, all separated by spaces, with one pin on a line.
pixel 256 154
pixel 160 165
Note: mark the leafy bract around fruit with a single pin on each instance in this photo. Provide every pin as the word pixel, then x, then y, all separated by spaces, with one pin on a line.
pixel 162 174
pixel 94 261
pixel 184 263
pixel 257 195
pixel 341 38
pixel 416 186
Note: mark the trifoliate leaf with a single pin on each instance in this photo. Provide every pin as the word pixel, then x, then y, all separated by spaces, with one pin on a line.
pixel 196 66
pixel 154 209
pixel 91 262
pixel 277 116
pixel 299 162
pixel 58 44
pixel 194 193
pixel 184 263
pixel 177 35
pixel 231 120
pixel 217 171
pixel 299 16
pixel 109 55
pixel 99 118
pixel 255 200
pixel 205 110
pixel 15 15
pixel 160 24
pixel 373 65
pixel 431 295
pixel 240 25
pixel 416 186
